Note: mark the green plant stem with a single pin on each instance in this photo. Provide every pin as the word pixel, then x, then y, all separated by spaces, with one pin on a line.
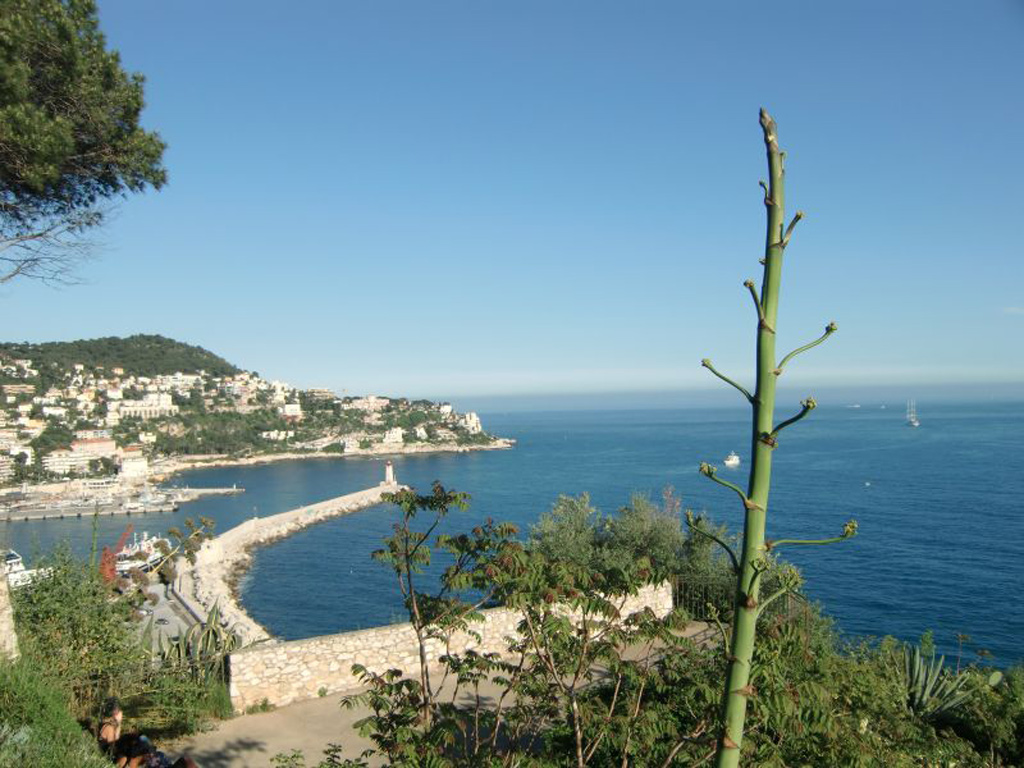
pixel 829 330
pixel 806 406
pixel 743 390
pixel 734 704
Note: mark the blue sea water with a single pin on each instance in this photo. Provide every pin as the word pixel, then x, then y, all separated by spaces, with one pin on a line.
pixel 940 545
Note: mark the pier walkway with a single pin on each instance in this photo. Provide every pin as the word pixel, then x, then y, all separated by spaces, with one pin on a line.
pixel 219 560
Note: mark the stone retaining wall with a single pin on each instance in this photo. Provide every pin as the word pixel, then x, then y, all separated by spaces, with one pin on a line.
pixel 284 673
pixel 8 638
pixel 207 582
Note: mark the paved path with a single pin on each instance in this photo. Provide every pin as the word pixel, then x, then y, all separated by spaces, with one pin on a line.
pixel 250 741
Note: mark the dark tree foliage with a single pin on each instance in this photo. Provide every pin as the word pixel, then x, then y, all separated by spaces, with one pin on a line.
pixel 70 138
pixel 142 355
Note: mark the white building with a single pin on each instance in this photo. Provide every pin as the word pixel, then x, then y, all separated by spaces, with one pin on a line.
pixel 95 447
pixel 134 464
pixel 471 422
pixel 64 462
pixel 153 406
pixel 394 436
pixel 6 467
pixel 277 434
pixel 369 403
pixel 291 411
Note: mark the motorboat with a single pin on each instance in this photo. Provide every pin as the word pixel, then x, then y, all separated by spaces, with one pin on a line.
pixel 732 460
pixel 13 562
pixel 144 553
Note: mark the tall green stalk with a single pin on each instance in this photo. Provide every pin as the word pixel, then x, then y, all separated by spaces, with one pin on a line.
pixel 753 560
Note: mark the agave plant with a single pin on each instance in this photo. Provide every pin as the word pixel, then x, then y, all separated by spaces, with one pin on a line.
pixel 933 691
pixel 202 648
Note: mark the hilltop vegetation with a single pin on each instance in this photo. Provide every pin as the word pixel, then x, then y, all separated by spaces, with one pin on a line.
pixel 141 355
pixel 154 397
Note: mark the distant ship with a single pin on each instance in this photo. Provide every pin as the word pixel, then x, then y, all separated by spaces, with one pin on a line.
pixel 732 460
pixel 912 414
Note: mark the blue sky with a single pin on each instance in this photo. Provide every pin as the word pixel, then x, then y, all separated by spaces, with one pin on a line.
pixel 454 199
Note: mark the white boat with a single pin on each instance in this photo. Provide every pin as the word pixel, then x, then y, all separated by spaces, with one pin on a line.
pixel 732 460
pixel 142 553
pixel 912 414
pixel 13 562
pixel 16 573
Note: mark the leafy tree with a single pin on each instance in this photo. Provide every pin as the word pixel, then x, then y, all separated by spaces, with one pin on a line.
pixel 568 532
pixel 53 437
pixel 69 118
pixel 140 354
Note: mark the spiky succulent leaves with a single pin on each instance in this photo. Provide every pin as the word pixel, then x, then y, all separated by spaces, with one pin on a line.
pixel 933 692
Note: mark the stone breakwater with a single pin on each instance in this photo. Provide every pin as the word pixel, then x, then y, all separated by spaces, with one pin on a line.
pixel 283 673
pixel 219 560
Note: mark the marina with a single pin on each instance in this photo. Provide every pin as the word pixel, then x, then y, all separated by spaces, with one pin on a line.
pixel 106 505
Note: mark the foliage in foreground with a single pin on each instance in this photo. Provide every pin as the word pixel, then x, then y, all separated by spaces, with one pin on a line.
pixel 78 633
pixel 584 686
pixel 36 728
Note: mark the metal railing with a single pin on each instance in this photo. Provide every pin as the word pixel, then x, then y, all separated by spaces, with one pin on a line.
pixel 703 598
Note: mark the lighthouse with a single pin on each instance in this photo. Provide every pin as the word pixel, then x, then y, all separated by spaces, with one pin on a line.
pixel 389 474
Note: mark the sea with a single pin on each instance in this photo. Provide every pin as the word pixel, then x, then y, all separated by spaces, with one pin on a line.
pixel 940 546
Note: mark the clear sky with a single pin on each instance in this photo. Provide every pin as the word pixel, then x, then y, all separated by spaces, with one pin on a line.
pixel 451 199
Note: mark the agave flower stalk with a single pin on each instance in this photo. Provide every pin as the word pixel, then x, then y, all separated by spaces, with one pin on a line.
pixel 753 560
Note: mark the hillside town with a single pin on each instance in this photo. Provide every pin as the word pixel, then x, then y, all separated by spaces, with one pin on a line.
pixel 98 425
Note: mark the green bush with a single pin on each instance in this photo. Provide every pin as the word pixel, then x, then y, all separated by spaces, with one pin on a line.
pixel 35 726
pixel 78 632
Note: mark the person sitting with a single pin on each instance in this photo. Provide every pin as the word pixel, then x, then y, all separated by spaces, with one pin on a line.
pixel 110 727
pixel 131 750
pixel 139 752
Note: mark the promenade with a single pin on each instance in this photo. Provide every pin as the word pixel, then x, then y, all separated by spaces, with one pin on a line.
pixel 251 741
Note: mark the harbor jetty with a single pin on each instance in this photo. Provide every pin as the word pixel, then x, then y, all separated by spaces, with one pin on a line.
pixel 219 560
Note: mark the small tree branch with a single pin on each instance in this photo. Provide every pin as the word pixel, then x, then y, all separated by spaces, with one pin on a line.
pixel 773 597
pixel 710 472
pixel 749 284
pixel 807 406
pixel 849 531
pixel 829 330
pixel 707 364
pixel 792 225
pixel 691 523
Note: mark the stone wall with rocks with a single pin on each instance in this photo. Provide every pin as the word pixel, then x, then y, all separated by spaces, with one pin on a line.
pixel 283 673
pixel 208 582
pixel 8 638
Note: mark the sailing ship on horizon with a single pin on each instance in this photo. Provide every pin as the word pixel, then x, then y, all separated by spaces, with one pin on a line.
pixel 912 420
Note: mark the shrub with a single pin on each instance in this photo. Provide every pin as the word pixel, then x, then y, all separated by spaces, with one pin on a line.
pixel 36 728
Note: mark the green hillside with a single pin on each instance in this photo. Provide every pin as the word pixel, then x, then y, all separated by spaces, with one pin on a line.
pixel 142 355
